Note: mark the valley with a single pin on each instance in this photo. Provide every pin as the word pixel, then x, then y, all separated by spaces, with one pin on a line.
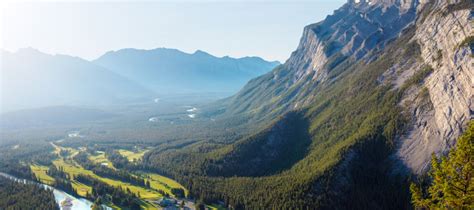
pixel 373 110
pixel 75 149
pixel 151 188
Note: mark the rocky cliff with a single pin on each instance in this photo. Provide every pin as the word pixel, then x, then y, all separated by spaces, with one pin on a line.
pixel 440 33
pixel 353 30
pixel 359 32
pixel 380 86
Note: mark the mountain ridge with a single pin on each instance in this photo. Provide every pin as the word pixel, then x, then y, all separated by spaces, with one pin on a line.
pixel 49 80
pixel 202 52
pixel 354 103
pixel 173 71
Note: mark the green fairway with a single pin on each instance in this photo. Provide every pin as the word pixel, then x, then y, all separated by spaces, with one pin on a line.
pixel 40 173
pixel 100 159
pixel 157 182
pixel 132 156
pixel 74 170
pixel 164 183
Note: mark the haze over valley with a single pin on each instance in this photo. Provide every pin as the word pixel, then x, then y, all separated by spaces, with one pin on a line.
pixel 372 110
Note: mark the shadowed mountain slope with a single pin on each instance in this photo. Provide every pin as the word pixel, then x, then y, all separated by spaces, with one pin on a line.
pixel 363 81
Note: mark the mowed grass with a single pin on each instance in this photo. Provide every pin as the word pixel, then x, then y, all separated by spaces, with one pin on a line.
pixel 72 152
pixel 159 182
pixel 132 156
pixel 41 175
pixel 100 159
pixel 81 189
pixel 74 170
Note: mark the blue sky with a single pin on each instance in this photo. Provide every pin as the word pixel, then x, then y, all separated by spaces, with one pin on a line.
pixel 269 29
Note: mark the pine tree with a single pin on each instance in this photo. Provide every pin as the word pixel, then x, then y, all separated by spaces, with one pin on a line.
pixel 97 204
pixel 452 177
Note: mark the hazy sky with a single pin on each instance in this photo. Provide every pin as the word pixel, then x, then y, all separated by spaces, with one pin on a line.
pixel 270 29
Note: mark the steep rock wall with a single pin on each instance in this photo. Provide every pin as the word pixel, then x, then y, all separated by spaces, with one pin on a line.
pixel 450 86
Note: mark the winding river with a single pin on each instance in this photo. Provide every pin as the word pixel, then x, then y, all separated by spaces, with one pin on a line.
pixel 59 195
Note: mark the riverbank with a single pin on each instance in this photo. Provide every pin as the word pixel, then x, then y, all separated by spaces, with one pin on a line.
pixel 59 195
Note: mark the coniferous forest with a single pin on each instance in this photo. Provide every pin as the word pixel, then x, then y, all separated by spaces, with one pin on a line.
pixel 372 110
pixel 17 195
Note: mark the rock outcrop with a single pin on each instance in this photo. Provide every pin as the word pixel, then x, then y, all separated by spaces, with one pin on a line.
pixel 354 29
pixel 364 26
pixel 360 31
pixel 450 87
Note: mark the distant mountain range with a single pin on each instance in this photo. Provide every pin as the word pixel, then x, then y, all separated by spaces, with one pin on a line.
pixel 172 71
pixel 32 79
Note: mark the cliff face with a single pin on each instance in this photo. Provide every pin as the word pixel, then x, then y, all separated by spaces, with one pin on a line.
pixel 353 30
pixel 361 28
pixel 437 122
pixel 359 32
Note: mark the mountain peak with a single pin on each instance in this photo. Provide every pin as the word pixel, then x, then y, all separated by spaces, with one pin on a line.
pixel 352 31
pixel 404 5
pixel 29 50
pixel 171 70
pixel 202 53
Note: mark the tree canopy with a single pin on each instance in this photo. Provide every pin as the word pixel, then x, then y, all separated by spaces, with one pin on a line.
pixel 452 182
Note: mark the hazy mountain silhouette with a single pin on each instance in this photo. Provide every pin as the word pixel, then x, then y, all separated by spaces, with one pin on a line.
pixel 172 71
pixel 32 79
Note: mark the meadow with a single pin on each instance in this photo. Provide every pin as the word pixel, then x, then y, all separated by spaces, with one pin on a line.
pixel 158 183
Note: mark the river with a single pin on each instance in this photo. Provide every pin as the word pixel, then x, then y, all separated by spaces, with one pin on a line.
pixel 59 195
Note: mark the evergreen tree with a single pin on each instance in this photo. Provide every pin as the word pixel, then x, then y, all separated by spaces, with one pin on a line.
pixel 97 204
pixel 452 184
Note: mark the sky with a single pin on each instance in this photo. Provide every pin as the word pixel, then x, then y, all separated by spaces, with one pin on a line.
pixel 88 29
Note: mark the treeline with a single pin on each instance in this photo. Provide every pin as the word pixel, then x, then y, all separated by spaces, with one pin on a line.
pixel 66 186
pixel 121 175
pixel 178 192
pixel 55 172
pixel 121 162
pixel 61 180
pixel 103 171
pixel 450 184
pixel 17 195
pixel 17 169
pixel 35 152
pixel 118 160
pixel 103 193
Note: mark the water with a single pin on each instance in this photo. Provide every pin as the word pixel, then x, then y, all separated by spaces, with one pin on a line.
pixel 77 203
pixel 191 112
pixel 59 195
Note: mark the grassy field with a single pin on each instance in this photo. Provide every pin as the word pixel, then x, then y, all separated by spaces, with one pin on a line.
pixel 74 169
pixel 100 158
pixel 72 152
pixel 163 183
pixel 132 156
pixel 40 173
pixel 157 182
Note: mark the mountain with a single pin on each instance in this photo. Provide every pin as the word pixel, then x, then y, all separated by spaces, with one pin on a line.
pixel 370 93
pixel 172 71
pixel 32 79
